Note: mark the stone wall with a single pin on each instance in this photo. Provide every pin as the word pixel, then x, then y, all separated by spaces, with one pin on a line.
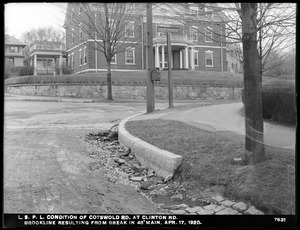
pixel 180 92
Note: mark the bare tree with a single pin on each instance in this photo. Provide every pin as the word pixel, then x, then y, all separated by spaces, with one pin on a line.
pixel 252 85
pixel 44 34
pixel 275 25
pixel 110 26
pixel 260 28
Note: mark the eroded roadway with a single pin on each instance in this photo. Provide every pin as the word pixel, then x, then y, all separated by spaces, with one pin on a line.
pixel 46 159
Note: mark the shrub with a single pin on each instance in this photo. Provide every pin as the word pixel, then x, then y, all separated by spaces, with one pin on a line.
pixel 279 104
pixel 278 99
pixel 7 70
pixel 26 71
pixel 66 69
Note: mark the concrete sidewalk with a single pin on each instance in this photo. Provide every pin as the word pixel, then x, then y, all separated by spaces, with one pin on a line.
pixel 227 118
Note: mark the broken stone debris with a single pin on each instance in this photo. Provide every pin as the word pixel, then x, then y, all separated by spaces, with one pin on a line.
pixel 124 167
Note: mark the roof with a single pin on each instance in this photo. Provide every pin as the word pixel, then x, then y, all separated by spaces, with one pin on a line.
pixel 13 41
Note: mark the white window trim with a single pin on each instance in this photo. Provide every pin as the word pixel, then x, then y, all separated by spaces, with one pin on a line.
pixel 196 52
pixel 131 27
pixel 80 58
pixel 115 56
pixel 133 54
pixel 208 40
pixel 212 58
pixel 196 31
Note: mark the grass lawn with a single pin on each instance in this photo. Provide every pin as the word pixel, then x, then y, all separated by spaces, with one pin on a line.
pixel 208 164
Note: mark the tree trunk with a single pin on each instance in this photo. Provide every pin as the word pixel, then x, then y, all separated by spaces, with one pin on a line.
pixel 254 142
pixel 109 87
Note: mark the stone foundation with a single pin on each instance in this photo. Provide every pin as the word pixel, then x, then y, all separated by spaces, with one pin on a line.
pixel 180 92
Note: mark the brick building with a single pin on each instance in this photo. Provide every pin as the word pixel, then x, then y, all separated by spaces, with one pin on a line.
pixel 195 44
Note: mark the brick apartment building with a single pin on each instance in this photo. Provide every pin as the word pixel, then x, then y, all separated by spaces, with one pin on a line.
pixel 195 44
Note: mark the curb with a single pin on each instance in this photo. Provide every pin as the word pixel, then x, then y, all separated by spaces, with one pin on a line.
pixel 163 162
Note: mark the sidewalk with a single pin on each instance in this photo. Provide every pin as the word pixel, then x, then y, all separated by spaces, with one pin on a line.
pixel 227 118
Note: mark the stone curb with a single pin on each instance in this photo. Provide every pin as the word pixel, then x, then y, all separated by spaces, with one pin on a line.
pixel 164 163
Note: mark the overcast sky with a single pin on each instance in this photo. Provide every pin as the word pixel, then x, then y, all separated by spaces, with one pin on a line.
pixel 22 17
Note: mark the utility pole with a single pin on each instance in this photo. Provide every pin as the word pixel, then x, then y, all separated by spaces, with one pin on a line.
pixel 150 82
pixel 170 85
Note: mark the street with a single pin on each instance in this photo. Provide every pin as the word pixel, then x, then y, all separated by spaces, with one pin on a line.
pixel 46 161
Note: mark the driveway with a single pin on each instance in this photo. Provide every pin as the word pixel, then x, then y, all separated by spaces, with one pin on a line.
pixel 46 160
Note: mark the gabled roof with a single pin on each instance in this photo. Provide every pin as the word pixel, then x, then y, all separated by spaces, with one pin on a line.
pixel 13 41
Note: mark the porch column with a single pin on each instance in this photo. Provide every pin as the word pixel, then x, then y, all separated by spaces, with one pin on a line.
pixel 186 58
pixel 192 59
pixel 60 64
pixel 35 64
pixel 157 56
pixel 163 56
pixel 180 59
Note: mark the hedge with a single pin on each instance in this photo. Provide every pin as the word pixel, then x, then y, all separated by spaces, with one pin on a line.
pixel 133 78
pixel 26 70
pixel 279 101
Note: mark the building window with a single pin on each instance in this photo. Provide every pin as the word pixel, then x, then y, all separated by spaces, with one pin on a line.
pixel 194 33
pixel 72 34
pixel 72 14
pixel 14 49
pixel 161 34
pixel 10 60
pixel 196 58
pixel 84 55
pixel 129 29
pixel 130 56
pixel 114 59
pixel 208 34
pixel 209 58
pixel 72 60
pixel 208 12
pixel 112 25
pixel 194 9
pixel 80 30
pixel 69 60
pixel 80 57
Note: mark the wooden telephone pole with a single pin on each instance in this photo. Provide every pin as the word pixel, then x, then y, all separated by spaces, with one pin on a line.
pixel 150 82
pixel 170 85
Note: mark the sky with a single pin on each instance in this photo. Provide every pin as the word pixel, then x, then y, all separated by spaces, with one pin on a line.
pixel 22 17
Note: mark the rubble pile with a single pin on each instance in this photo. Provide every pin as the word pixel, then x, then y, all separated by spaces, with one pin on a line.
pixel 121 166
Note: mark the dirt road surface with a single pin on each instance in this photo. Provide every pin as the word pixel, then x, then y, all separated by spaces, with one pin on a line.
pixel 46 163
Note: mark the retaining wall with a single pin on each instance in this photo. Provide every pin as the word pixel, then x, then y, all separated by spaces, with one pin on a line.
pixel 180 92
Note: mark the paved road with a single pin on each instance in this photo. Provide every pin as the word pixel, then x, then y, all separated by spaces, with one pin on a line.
pixel 46 163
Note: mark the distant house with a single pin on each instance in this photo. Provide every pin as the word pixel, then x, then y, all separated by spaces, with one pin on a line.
pixel 14 51
pixel 47 57
pixel 234 56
